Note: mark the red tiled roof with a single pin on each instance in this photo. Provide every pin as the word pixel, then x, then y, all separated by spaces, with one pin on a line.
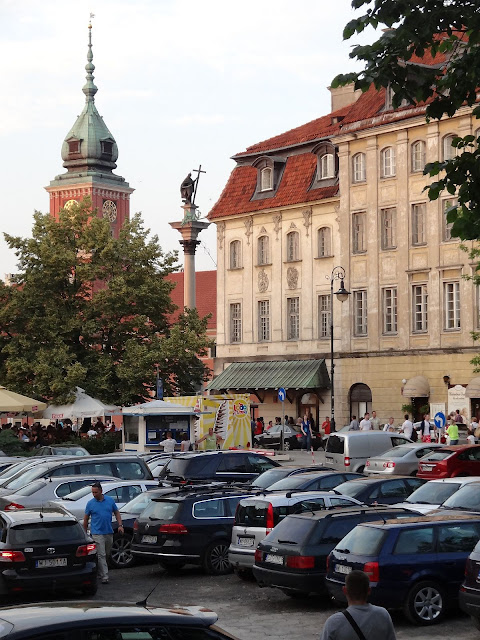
pixel 206 293
pixel 293 188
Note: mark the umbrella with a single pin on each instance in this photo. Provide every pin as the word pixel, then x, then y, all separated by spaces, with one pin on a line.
pixel 84 407
pixel 15 402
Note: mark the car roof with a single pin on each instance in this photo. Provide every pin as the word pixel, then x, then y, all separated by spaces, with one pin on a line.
pixel 460 447
pixel 347 511
pixel 411 522
pixel 283 496
pixel 49 617
pixel 368 434
pixel 320 474
pixel 206 494
pixel 37 514
pixel 457 479
pixel 366 480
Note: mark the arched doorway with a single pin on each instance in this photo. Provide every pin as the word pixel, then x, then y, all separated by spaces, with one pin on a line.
pixel 360 399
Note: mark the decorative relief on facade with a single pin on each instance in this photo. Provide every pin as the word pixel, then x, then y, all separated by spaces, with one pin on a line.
pixel 263 281
pixel 248 228
pixel 358 198
pixel 419 260
pixel 220 234
pixel 388 194
pixel 293 225
pixel 307 218
pixel 263 231
pixel 277 221
pixel 292 277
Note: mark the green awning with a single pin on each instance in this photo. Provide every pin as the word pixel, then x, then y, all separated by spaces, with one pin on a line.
pixel 272 374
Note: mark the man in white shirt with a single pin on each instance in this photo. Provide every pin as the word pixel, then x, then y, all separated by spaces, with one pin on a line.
pixel 168 444
pixel 389 426
pixel 407 427
pixel 365 424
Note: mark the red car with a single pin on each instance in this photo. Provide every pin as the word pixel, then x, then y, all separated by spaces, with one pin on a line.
pixel 448 462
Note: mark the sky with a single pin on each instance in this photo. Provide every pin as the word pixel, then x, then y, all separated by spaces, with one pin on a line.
pixel 180 83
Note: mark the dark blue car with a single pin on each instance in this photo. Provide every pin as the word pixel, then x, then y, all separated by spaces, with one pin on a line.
pixel 416 565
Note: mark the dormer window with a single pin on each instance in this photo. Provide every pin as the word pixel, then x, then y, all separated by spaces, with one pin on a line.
pixel 74 146
pixel 326 173
pixel 107 147
pixel 327 166
pixel 266 179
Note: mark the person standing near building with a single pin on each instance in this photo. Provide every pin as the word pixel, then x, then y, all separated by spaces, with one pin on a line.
pixel 306 429
pixel 452 432
pixel 168 444
pixel 389 426
pixel 100 510
pixel 210 439
pixel 407 427
pixel 426 428
pixel 354 425
pixel 360 619
pixel 375 421
pixel 326 427
pixel 366 424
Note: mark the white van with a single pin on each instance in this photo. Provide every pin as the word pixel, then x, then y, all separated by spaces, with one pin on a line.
pixel 349 450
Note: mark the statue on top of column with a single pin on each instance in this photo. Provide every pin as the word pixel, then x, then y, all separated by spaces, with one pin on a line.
pixel 187 189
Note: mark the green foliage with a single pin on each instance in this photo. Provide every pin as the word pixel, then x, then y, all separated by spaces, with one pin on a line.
pixel 107 444
pixel 408 408
pixel 443 29
pixel 93 311
pixel 10 444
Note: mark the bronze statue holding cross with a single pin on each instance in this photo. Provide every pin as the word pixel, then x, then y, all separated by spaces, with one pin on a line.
pixel 188 188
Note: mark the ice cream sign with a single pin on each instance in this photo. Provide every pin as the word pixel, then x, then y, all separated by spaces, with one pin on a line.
pixel 240 409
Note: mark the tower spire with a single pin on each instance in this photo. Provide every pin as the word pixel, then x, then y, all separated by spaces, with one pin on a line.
pixel 90 89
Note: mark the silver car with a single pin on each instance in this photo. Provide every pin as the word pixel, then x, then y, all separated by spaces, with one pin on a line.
pixel 401 460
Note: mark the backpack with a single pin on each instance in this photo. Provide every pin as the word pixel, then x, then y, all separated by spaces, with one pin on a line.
pixel 414 436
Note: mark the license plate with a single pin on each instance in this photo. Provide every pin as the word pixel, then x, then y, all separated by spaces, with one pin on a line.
pixel 427 467
pixel 245 542
pixel 51 562
pixel 273 559
pixel 149 539
pixel 327 459
pixel 341 568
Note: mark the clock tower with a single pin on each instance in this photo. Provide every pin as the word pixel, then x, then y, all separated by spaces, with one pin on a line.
pixel 89 154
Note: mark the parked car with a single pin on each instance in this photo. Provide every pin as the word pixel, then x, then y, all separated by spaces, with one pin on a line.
pixel 45 550
pixel 39 492
pixel 451 461
pixel 380 490
pixel 350 450
pixel 293 556
pixel 188 526
pixel 119 620
pixel 256 516
pixel 416 565
pixel 17 467
pixel 226 466
pixel 313 481
pixel 292 438
pixel 469 594
pixel 467 498
pixel 121 491
pixel 434 493
pixel 267 478
pixel 401 460
pixel 61 450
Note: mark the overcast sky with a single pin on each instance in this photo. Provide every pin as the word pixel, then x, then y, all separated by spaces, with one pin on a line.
pixel 180 82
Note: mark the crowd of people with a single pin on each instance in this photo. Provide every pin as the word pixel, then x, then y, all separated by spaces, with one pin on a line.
pixel 305 425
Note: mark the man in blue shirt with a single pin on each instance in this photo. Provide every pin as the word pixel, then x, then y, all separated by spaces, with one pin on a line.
pixel 100 509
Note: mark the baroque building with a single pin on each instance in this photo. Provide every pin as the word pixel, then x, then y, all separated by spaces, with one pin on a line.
pixel 346 189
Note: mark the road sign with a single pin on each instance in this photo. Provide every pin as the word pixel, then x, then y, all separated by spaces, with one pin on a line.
pixel 439 420
pixel 282 394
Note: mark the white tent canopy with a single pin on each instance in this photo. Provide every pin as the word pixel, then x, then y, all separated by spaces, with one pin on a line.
pixel 158 407
pixel 84 407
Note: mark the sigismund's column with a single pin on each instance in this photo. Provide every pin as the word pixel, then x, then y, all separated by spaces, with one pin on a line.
pixel 189 228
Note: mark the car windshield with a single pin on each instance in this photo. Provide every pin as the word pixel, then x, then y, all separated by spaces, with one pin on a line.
pixel 79 493
pixel 396 452
pixel 180 466
pixel 433 492
pixel 292 530
pixel 267 478
pixel 45 533
pixel 70 451
pixel 352 488
pixel 15 468
pixel 362 541
pixel 161 510
pixel 137 505
pixel 291 482
pixel 439 455
pixel 31 488
pixel 467 497
pixel 22 479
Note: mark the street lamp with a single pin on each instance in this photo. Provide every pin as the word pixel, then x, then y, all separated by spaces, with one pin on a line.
pixel 338 273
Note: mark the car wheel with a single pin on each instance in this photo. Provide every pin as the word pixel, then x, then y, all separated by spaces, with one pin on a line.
pixel 91 590
pixel 360 470
pixel 172 564
pixel 425 603
pixel 121 555
pixel 297 595
pixel 215 560
pixel 245 574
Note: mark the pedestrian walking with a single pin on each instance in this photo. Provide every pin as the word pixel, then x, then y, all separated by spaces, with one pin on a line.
pixel 389 426
pixel 366 424
pixel 375 421
pixel 169 443
pixel 361 620
pixel 354 425
pixel 210 439
pixel 307 432
pixel 100 510
pixel 452 432
pixel 407 427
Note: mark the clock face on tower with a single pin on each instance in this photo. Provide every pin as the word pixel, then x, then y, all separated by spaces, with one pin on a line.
pixel 109 210
pixel 69 204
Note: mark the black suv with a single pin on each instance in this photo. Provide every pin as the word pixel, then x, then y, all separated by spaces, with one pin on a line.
pixel 45 549
pixel 226 466
pixel 188 526
pixel 293 557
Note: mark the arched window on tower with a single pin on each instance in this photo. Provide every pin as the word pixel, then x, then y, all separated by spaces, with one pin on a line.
pixel 293 246
pixel 235 254
pixel 324 242
pixel 263 250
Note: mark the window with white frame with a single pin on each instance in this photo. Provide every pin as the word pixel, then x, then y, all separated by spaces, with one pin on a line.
pixel 236 322
pixel 293 246
pixel 447 226
pixel 451 301
pixel 359 240
pixel 420 308
pixel 388 219
pixel 324 316
pixel 263 250
pixel 327 166
pixel 359 167
pixel 360 312
pixel 389 309
pixel 419 235
pixel 235 254
pixel 324 242
pixel 263 320
pixel 418 156
pixel 266 179
pixel 387 162
pixel 449 152
pixel 293 318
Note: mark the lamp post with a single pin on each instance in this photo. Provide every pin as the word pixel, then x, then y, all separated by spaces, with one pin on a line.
pixel 338 273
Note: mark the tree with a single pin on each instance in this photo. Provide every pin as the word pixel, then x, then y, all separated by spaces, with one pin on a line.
pixel 449 32
pixel 93 311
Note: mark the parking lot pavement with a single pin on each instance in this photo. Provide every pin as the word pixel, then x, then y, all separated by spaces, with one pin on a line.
pixel 251 613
